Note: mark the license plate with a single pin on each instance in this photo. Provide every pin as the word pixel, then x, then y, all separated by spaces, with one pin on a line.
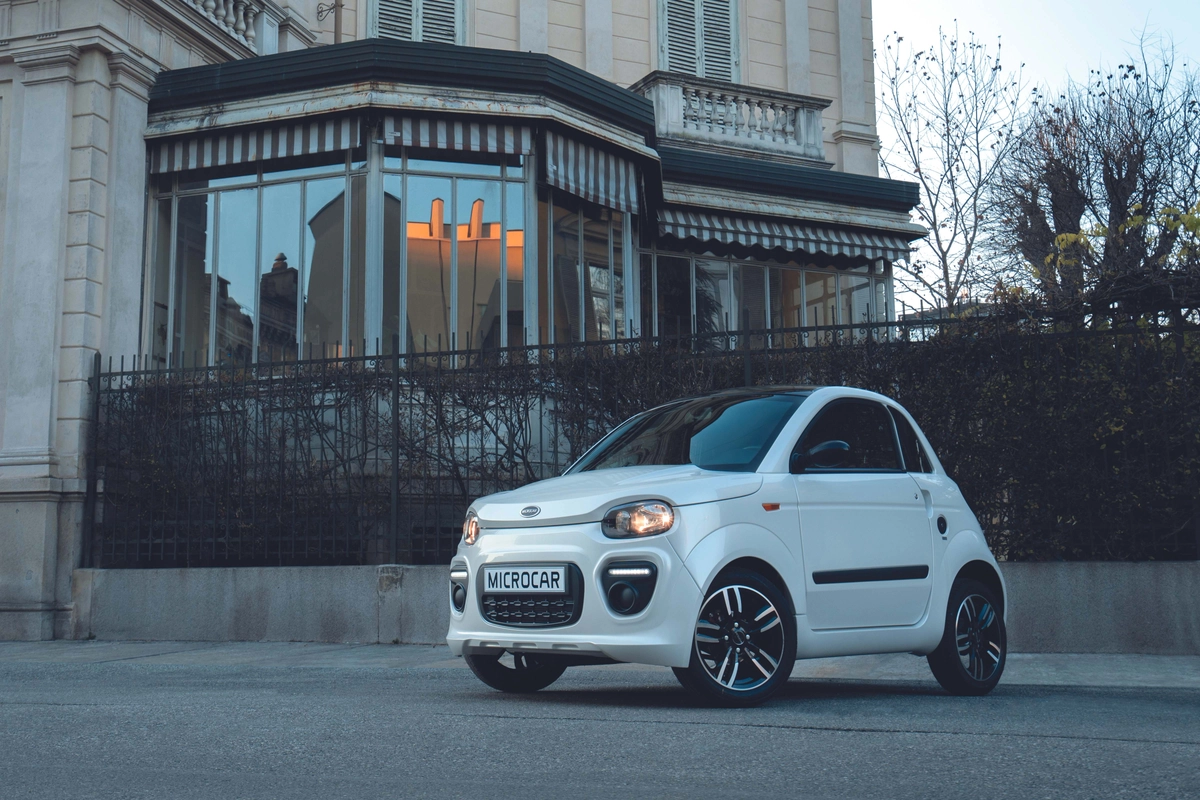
pixel 525 580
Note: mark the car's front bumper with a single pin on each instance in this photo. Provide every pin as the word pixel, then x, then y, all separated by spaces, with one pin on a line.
pixel 660 634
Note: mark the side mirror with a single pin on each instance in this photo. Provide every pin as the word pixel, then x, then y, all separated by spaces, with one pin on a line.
pixel 826 455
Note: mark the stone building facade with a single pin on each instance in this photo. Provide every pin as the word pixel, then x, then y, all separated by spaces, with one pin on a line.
pixel 185 181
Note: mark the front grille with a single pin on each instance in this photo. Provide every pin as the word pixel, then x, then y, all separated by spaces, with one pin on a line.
pixel 536 610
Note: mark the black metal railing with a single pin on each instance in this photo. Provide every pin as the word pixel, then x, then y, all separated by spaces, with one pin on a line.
pixel 1070 442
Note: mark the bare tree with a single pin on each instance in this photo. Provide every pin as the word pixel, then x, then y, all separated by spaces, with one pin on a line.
pixel 1100 200
pixel 953 110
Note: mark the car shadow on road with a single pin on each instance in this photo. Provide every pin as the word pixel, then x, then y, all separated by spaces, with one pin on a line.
pixel 676 697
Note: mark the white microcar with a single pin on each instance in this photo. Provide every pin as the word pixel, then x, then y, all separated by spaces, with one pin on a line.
pixel 725 536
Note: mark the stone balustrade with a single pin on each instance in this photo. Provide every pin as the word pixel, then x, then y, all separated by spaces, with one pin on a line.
pixel 235 17
pixel 735 117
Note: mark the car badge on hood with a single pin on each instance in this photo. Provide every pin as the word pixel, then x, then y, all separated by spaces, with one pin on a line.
pixel 530 511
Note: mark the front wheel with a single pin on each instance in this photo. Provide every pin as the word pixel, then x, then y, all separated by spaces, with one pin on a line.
pixel 970 658
pixel 516 672
pixel 744 644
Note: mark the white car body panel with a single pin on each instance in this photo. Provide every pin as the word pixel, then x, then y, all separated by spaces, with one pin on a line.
pixel 720 517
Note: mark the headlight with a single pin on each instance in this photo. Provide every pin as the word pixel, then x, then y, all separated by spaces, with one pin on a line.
pixel 471 528
pixel 638 519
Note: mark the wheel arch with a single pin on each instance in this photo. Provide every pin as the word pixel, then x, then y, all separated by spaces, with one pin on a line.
pixel 989 576
pixel 753 564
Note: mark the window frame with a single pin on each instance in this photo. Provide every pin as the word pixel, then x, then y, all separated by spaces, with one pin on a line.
pixel 838 401
pixel 460 22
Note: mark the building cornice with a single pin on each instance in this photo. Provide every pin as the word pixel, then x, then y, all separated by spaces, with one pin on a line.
pixel 48 64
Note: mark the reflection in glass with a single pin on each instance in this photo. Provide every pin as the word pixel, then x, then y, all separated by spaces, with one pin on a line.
pixel 712 305
pixel 161 276
pixel 565 245
pixel 193 279
pixel 820 303
pixel 786 299
pixel 428 230
pixel 324 239
pixel 514 238
pixel 543 277
pixel 279 283
pixel 598 291
pixel 618 274
pixel 457 167
pixel 856 302
pixel 646 285
pixel 477 223
pixel 356 323
pixel 750 300
pixel 236 276
pixel 881 307
pixel 674 290
pixel 393 227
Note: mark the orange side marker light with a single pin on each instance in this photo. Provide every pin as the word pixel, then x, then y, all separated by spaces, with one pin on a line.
pixel 770 506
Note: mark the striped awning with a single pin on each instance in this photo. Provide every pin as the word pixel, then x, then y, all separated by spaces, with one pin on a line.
pixel 450 134
pixel 791 236
pixel 591 173
pixel 245 145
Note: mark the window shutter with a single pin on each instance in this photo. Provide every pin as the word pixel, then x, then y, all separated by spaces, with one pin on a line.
pixel 396 19
pixel 716 36
pixel 682 36
pixel 439 21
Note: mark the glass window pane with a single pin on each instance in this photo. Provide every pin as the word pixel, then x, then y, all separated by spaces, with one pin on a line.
pixel 218 177
pixel 487 167
pixel 712 293
pixel 786 299
pixel 160 272
pixel 393 225
pixel 618 275
pixel 915 459
pixel 478 225
pixel 305 166
pixel 514 238
pixel 279 260
pixel 193 279
pixel 428 233
pixel 856 302
pixel 750 300
pixel 236 276
pixel 820 304
pixel 597 300
pixel 567 326
pixel 674 296
pixel 646 294
pixel 324 240
pixel 544 237
pixel 356 323
pixel 864 425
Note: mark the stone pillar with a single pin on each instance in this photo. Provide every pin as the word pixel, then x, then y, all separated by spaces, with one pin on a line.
pixel 854 135
pixel 31 318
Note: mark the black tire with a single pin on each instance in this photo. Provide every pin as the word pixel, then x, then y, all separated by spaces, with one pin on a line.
pixel 744 642
pixel 529 672
pixel 974 648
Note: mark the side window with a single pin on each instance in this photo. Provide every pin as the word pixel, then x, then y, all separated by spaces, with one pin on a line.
pixel 699 38
pixel 915 459
pixel 419 20
pixel 862 424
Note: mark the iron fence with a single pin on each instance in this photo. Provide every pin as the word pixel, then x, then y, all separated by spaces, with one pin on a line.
pixel 1070 442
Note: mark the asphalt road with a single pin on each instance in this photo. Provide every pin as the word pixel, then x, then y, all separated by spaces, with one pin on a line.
pixel 163 720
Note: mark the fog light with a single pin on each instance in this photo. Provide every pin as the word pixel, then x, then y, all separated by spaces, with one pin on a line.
pixel 460 597
pixel 459 580
pixel 622 597
pixel 628 585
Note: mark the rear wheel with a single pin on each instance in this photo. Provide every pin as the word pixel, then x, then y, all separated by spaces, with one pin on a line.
pixel 516 672
pixel 970 658
pixel 744 645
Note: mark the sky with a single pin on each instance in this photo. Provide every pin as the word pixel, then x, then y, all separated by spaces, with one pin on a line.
pixel 1053 38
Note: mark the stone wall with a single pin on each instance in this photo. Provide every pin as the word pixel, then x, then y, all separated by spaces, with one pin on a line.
pixel 1053 608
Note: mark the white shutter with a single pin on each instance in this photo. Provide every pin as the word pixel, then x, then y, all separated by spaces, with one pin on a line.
pixel 439 21
pixel 682 36
pixel 396 19
pixel 716 36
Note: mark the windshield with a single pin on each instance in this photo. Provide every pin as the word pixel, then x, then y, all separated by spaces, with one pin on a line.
pixel 730 433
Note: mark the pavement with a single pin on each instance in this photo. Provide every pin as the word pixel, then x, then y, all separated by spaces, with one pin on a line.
pixel 276 720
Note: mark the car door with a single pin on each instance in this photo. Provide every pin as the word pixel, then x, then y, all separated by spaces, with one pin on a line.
pixel 864 529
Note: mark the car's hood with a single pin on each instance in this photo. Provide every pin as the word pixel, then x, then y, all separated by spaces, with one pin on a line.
pixel 586 496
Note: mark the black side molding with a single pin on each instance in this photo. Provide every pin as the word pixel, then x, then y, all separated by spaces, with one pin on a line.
pixel 913 573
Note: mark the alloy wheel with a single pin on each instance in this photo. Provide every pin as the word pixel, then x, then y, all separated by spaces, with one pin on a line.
pixel 977 637
pixel 739 638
